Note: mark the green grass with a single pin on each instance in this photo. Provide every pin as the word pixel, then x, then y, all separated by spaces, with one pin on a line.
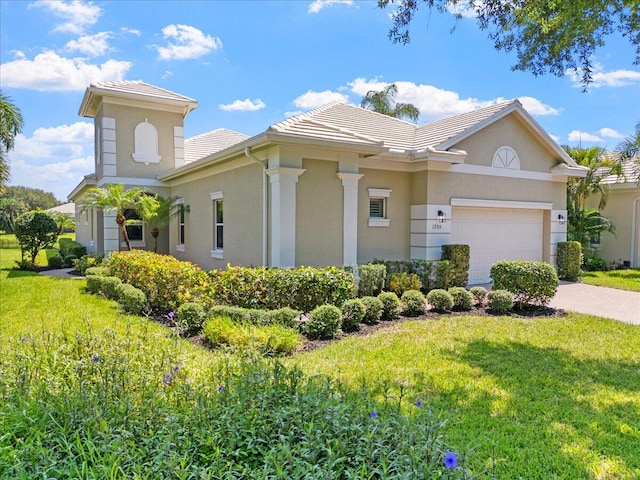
pixel 622 279
pixel 544 398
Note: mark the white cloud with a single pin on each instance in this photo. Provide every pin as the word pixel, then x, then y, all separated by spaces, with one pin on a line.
pixel 317 5
pixel 615 78
pixel 54 159
pixel 76 14
pixel 467 9
pixel 536 107
pixel 50 72
pixel 245 105
pixel 189 43
pixel 92 45
pixel 610 133
pixel 578 136
pixel 313 99
pixel 167 74
pixel 132 31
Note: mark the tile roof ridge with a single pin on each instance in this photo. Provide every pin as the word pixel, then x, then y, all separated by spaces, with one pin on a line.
pixel 301 116
pixel 221 129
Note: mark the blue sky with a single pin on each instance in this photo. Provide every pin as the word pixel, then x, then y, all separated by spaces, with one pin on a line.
pixel 253 63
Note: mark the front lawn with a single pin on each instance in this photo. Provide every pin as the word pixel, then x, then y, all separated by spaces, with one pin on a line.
pixel 623 279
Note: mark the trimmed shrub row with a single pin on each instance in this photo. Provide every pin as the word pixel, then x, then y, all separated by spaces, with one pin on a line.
pixel 282 316
pixel 569 260
pixel 531 283
pixel 432 273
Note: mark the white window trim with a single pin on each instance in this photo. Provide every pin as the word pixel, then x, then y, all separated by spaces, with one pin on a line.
pixel 216 252
pixel 383 193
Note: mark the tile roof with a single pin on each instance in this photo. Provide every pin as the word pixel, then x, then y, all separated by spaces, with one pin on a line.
pixel 208 143
pixel 138 87
pixel 630 172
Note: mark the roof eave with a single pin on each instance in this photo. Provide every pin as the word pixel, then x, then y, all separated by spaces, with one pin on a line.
pixel 87 182
pixel 569 171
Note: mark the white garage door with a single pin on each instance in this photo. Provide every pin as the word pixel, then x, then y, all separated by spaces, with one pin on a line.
pixel 496 234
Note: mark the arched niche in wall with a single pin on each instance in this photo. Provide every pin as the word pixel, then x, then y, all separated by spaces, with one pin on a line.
pixel 506 157
pixel 146 143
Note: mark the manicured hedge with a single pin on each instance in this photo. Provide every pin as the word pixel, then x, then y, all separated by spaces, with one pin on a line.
pixel 432 273
pixel 459 256
pixel 70 247
pixel 569 260
pixel 303 288
pixel 530 282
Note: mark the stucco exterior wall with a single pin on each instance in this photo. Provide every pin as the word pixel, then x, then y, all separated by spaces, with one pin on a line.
pixel 620 209
pixel 392 242
pixel 319 214
pixel 242 196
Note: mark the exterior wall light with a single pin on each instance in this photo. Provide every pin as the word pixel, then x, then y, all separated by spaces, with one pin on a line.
pixel 561 219
pixel 442 217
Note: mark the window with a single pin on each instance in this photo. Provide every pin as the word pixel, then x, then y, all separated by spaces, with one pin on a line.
pixel 146 143
pixel 181 223
pixel 134 227
pixel 378 198
pixel 506 157
pixel 218 225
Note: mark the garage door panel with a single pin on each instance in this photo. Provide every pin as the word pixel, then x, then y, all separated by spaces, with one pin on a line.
pixel 497 234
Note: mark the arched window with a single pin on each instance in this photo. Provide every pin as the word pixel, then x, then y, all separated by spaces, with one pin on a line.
pixel 134 226
pixel 506 157
pixel 146 143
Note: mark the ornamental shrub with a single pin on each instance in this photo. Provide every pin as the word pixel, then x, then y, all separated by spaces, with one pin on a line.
pixel 88 261
pixel 530 282
pixel 324 323
pixel 302 288
pixel 35 231
pixel 401 282
pixel 132 299
pixel 458 256
pixel 352 314
pixel 479 295
pixel 441 300
pixel 69 260
pixel 594 264
pixel 569 260
pixel 190 316
pixel 372 310
pixel 500 301
pixel 413 303
pixel 283 316
pixel 56 261
pixel 462 298
pixel 166 281
pixel 97 271
pixel 94 284
pixel 109 287
pixel 432 273
pixel 390 305
pixel 371 279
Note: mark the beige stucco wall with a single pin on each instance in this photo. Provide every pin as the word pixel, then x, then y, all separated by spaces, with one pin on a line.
pixel 620 209
pixel 242 195
pixel 127 118
pixel 508 131
pixel 319 214
pixel 84 234
pixel 392 242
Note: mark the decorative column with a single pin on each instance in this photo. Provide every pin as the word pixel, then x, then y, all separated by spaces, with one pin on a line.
pixel 430 229
pixel 283 215
pixel 350 217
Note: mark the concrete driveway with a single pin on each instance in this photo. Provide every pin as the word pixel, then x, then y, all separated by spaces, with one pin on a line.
pixel 601 301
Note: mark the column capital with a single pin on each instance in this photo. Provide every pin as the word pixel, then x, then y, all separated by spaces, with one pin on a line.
pixel 278 173
pixel 349 177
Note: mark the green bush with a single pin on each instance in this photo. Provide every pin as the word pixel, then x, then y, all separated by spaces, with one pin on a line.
pixel 324 322
pixel 462 298
pixel 569 260
pixel 401 282
pixel 283 316
pixel 302 288
pixel 352 314
pixel 109 287
pixel 88 261
pixel 190 316
pixel 432 273
pixel 390 305
pixel 132 299
pixel 413 303
pixel 479 295
pixel 55 261
pixel 63 243
pixel 93 284
pixel 71 247
pixel 441 300
pixel 530 282
pixel 372 310
pixel 593 264
pixel 166 281
pixel 458 256
pixel 97 271
pixel 500 301
pixel 69 260
pixel 35 231
pixel 371 278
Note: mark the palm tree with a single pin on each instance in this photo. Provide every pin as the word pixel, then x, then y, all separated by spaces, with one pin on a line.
pixel 116 198
pixel 384 102
pixel 630 148
pixel 158 211
pixel 64 222
pixel 10 125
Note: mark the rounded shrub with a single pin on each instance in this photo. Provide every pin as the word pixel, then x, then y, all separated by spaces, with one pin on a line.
pixel 373 310
pixel 500 301
pixel 97 271
pixel 462 298
pixel 401 282
pixel 530 282
pixel 283 316
pixel 324 322
pixel 69 260
pixel 132 299
pixel 390 305
pixel 55 262
pixel 593 264
pixel 479 295
pixel 94 284
pixel 441 300
pixel 109 287
pixel 413 303
pixel 352 314
pixel 190 316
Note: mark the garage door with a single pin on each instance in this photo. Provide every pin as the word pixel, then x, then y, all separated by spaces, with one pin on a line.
pixel 496 234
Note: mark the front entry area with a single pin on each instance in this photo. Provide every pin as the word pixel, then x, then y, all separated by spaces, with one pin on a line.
pixel 495 234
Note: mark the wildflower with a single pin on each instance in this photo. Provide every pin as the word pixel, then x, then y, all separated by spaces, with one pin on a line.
pixel 23 379
pixel 373 414
pixel 166 335
pixel 24 339
pixel 220 389
pixel 450 460
pixel 419 403
pixel 95 359
pixel 176 368
pixel 167 379
pixel 170 315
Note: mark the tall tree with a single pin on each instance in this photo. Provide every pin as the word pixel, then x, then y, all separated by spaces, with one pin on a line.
pixel 384 101
pixel 547 36
pixel 33 198
pixel 11 123
pixel 115 199
pixel 629 150
pixel 158 211
pixel 10 209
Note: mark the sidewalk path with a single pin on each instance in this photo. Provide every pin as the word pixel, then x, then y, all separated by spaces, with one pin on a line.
pixel 61 273
pixel 601 301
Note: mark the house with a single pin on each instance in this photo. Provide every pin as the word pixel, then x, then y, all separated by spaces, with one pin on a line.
pixel 65 209
pixel 338 185
pixel 623 208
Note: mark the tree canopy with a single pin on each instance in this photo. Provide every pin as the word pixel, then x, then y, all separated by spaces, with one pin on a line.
pixel 33 198
pixel 547 36
pixel 629 150
pixel 384 101
pixel 10 125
